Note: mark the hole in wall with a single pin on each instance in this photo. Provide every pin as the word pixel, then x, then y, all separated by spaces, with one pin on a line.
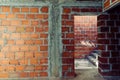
pixel 85 40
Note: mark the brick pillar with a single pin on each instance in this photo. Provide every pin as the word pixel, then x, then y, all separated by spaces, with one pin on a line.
pixel 108 43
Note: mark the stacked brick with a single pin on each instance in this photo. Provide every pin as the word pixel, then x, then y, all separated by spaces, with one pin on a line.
pixel 108 43
pixel 23 41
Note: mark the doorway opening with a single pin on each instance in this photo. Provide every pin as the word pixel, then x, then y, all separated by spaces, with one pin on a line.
pixel 85 40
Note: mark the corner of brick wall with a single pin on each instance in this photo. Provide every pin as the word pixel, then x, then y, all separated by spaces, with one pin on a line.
pixel 23 42
pixel 108 43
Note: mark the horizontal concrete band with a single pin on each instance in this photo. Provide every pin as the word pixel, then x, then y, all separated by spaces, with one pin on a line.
pixel 42 3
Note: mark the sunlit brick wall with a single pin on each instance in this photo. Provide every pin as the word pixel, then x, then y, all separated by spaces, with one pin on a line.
pixel 23 42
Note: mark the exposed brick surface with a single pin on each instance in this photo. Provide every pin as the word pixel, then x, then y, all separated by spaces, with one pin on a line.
pixel 109 43
pixel 22 53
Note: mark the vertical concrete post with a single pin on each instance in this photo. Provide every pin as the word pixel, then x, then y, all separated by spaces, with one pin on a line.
pixel 55 42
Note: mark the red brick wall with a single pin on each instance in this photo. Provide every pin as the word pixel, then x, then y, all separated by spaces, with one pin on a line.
pixel 23 42
pixel 68 35
pixel 108 43
pixel 85 35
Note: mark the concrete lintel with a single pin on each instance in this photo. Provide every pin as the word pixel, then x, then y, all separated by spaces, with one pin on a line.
pixel 83 3
pixel 17 3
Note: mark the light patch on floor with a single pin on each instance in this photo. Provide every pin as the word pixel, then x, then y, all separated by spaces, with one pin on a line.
pixel 83 64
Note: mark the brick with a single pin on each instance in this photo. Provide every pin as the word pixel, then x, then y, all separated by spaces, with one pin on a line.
pixel 5 49
pixel 38 42
pixel 41 67
pixel 24 9
pixel 66 10
pixel 19 55
pixel 20 29
pixel 43 48
pixel 10 68
pixel 105 54
pixel 29 42
pixel 1 42
pixel 34 74
pixel 29 55
pixel 29 29
pixel 67 60
pixel 14 48
pixel 23 62
pixel 104 66
pixel 25 36
pixel 20 42
pixel 39 29
pixel 44 23
pixel 46 41
pixel 35 36
pixel 35 23
pixel 33 61
pixel 29 68
pixel 43 35
pixel 2 68
pixel 2 16
pixel 10 42
pixel 5 9
pixel 23 74
pixel 41 16
pixel 114 29
pixel 115 66
pixel 5 22
pixel 65 16
pixel 11 16
pixel 10 55
pixel 70 48
pixel 70 23
pixel 43 74
pixel 2 55
pixel 114 53
pixel 4 62
pixel 104 29
pixel 15 10
pixel 33 48
pixel 110 23
pixel 25 22
pixel 15 22
pixel 11 29
pixel 114 41
pixel 24 48
pixel 19 68
pixel 13 62
pixel 44 61
pixel 103 17
pixel 34 10
pixel 74 9
pixel 4 75
pixel 44 9
pixel 38 55
pixel 21 16
pixel 111 47
pixel 103 41
pixel 70 35
pixel 112 60
pixel 103 60
pixel 30 16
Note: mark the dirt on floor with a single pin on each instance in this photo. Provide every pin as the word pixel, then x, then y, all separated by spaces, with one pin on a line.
pixel 90 74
